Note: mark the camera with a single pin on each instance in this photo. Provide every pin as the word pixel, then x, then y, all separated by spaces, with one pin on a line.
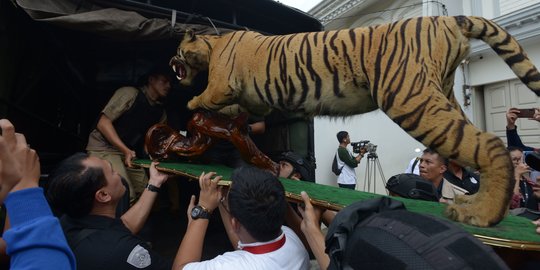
pixel 369 147
pixel 532 159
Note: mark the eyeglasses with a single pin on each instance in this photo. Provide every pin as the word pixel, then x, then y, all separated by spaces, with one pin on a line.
pixel 517 159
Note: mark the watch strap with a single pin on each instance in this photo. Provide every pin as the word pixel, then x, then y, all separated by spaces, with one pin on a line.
pixel 152 188
pixel 202 213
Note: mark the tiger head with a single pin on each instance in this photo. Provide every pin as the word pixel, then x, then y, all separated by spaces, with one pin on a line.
pixel 192 57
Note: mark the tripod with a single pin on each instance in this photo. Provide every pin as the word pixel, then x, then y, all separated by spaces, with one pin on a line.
pixel 372 165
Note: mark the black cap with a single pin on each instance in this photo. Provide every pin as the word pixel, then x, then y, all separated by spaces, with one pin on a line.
pixel 301 165
pixel 412 186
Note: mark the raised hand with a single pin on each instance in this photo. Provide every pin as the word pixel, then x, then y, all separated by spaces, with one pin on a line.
pixel 10 169
pixel 129 155
pixel 211 194
pixel 521 169
pixel 536 115
pixel 311 215
pixel 19 165
pixel 157 178
pixel 511 118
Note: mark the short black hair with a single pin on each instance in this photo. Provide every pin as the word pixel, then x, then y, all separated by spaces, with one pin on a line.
pixel 156 71
pixel 257 200
pixel 514 148
pixel 73 185
pixel 342 135
pixel 433 151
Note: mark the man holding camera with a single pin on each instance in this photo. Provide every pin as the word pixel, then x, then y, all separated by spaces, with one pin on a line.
pixel 512 135
pixel 347 162
pixel 514 140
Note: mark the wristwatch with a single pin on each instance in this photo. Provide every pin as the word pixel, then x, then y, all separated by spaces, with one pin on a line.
pixel 200 212
pixel 152 188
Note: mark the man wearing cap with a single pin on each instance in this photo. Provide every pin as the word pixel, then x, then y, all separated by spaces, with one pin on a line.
pixel 294 166
pixel 412 186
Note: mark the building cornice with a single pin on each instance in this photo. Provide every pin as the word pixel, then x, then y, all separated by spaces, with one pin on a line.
pixel 523 24
pixel 328 10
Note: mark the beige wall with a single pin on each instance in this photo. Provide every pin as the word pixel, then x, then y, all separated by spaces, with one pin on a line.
pixel 395 147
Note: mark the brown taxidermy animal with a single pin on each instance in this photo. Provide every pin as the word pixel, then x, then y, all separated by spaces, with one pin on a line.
pixel 405 68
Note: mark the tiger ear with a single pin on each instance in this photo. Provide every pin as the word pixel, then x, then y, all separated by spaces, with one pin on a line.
pixel 190 35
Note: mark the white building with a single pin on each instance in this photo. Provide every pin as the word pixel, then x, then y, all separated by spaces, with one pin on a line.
pixel 485 86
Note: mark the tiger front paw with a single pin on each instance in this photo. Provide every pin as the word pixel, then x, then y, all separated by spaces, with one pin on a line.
pixel 194 103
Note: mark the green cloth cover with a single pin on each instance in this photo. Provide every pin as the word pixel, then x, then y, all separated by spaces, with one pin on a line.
pixel 512 228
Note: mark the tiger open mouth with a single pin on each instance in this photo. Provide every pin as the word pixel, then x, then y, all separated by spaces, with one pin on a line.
pixel 179 67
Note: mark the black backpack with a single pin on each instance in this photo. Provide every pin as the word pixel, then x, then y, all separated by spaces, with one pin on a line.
pixel 335 168
pixel 381 234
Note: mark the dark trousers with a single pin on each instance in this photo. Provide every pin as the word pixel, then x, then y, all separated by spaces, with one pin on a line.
pixel 351 186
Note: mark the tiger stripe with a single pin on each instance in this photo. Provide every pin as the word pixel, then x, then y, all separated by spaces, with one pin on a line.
pixel 405 68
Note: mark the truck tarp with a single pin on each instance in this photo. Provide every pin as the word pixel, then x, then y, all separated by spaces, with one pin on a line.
pixel 109 22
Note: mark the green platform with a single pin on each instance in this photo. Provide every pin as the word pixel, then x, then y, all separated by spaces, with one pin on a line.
pixel 513 232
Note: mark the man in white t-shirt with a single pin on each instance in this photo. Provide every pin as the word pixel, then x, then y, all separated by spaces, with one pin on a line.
pixel 253 212
pixel 414 166
pixel 346 161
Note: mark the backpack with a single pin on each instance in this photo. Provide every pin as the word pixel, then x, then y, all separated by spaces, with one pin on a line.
pixel 381 234
pixel 335 168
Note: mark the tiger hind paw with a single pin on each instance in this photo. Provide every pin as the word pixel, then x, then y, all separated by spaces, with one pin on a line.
pixel 472 214
pixel 464 199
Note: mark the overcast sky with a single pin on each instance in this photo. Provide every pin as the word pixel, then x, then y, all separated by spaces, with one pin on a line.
pixel 303 5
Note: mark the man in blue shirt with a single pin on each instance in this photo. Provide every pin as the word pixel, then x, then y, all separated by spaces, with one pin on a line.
pixel 34 239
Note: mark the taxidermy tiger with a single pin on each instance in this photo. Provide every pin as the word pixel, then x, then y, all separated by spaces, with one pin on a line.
pixel 405 68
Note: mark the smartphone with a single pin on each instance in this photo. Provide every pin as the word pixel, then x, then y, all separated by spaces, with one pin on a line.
pixel 525 113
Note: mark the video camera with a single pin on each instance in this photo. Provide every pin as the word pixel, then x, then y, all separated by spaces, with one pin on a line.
pixel 358 146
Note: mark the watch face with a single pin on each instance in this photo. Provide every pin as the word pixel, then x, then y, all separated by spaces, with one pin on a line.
pixel 199 212
pixel 195 212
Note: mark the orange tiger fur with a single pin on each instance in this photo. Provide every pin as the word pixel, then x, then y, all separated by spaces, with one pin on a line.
pixel 405 68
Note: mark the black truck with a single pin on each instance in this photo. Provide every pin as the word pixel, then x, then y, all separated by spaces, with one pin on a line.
pixel 61 60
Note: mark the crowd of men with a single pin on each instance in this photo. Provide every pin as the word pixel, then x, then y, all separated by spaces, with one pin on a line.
pixel 104 203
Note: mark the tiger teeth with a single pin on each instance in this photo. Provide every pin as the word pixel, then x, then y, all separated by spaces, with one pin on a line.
pixel 174 68
pixel 178 77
